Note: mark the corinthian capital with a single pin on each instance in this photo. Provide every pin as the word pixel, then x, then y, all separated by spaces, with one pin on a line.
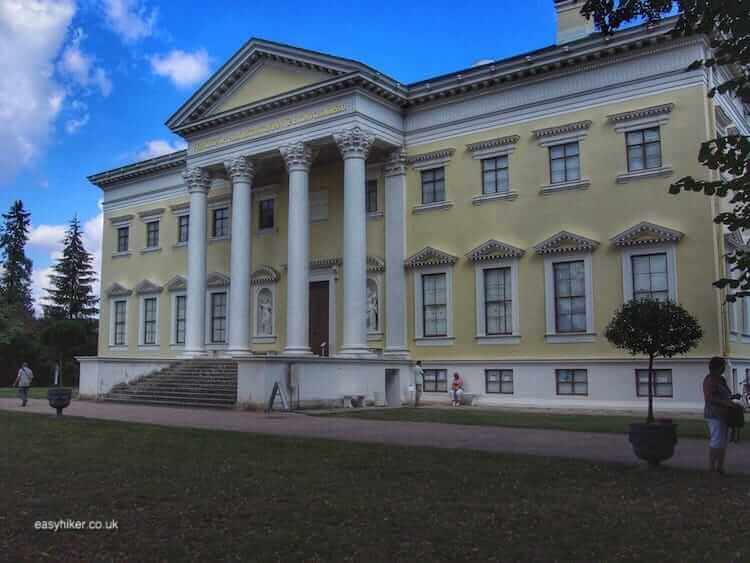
pixel 197 180
pixel 240 169
pixel 396 163
pixel 354 142
pixel 297 156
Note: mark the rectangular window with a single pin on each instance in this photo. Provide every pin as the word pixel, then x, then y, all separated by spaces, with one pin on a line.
pixel 572 381
pixel 120 323
pixel 149 321
pixel 499 381
pixel 662 382
pixel 434 305
pixel 435 380
pixel 433 185
pixel 221 222
pixel 123 239
pixel 180 313
pixel 495 177
pixel 265 211
pixel 650 278
pixel 218 318
pixel 644 149
pixel 498 302
pixel 564 163
pixel 570 296
pixel 152 234
pixel 371 196
pixel 183 228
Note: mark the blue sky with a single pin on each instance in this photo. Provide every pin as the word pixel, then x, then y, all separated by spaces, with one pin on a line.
pixel 86 85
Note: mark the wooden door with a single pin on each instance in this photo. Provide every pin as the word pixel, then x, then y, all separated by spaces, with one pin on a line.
pixel 319 318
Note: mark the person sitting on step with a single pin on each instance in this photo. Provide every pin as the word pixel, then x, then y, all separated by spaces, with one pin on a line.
pixel 457 390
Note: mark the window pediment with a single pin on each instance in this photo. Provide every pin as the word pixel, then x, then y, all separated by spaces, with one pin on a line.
pixel 146 287
pixel 562 133
pixel 566 242
pixel 375 264
pixel 263 275
pixel 215 279
pixel 645 117
pixel 430 256
pixel 646 233
pixel 118 290
pixel 493 147
pixel 430 159
pixel 177 283
pixel 494 250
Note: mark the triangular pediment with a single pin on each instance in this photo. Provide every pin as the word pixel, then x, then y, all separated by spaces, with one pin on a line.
pixel 430 256
pixel 215 279
pixel 646 233
pixel 177 283
pixel 118 290
pixel 565 242
pixel 147 286
pixel 494 250
pixel 260 70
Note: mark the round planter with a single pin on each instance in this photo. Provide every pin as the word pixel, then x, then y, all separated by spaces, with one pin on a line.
pixel 653 442
pixel 59 398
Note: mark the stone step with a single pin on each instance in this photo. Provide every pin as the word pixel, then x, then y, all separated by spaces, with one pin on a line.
pixel 177 385
pixel 224 394
pixel 175 397
pixel 169 403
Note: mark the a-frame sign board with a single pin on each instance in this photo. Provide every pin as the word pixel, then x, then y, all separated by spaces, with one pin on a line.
pixel 277 392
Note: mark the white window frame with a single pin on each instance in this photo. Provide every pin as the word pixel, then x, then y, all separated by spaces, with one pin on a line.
pixel 142 319
pixel 173 319
pixel 631 125
pixel 627 267
pixel 112 301
pixel 146 223
pixel 481 329
pixel 576 135
pixel 552 336
pixel 420 339
pixel 378 280
pixel 210 345
pixel 263 338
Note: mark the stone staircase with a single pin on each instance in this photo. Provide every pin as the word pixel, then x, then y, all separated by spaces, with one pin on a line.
pixel 191 383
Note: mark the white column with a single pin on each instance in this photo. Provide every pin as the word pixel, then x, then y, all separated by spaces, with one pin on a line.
pixel 241 171
pixel 298 158
pixel 395 255
pixel 354 145
pixel 198 183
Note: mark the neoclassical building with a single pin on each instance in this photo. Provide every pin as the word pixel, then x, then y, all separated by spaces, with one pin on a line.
pixel 330 222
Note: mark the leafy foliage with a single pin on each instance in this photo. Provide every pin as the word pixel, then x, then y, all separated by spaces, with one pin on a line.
pixel 71 295
pixel 15 282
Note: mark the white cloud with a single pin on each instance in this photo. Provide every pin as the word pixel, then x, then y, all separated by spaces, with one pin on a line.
pixel 130 19
pixel 73 125
pixel 183 69
pixel 31 34
pixel 159 147
pixel 82 68
pixel 47 238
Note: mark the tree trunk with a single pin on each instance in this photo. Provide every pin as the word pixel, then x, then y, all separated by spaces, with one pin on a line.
pixel 650 418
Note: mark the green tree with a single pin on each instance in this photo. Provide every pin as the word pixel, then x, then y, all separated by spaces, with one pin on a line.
pixel 656 329
pixel 726 24
pixel 15 282
pixel 71 295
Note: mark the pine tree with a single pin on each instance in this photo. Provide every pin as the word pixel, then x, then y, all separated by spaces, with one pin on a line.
pixel 71 295
pixel 15 282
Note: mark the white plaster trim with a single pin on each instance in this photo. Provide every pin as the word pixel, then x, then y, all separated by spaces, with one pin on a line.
pixel 425 207
pixel 148 215
pixel 123 221
pixel 508 195
pixel 151 250
pixel 479 291
pixel 498 339
pixel 116 255
pixel 572 338
pixel 654 116
pixel 492 148
pixel 670 249
pixel 582 184
pixel 112 301
pixel 662 171
pixel 173 318
pixel 180 245
pixel 375 215
pixel 420 338
pixel 435 341
pixel 561 134
pixel 209 314
pixel 434 159
pixel 142 320
pixel 549 298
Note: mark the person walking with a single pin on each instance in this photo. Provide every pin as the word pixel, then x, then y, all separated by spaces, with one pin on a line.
pixel 23 381
pixel 418 382
pixel 718 401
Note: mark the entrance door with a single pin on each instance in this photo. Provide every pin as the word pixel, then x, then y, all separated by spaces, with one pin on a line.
pixel 319 318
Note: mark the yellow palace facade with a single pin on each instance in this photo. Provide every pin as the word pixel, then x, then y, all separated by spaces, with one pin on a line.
pixel 329 222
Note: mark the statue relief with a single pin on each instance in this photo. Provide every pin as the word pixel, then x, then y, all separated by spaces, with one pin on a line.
pixel 265 313
pixel 372 306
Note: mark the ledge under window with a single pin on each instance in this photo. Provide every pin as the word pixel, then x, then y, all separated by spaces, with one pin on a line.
pixel 180 244
pixel 492 339
pixel 118 347
pixel 374 215
pixel 265 232
pixel 120 254
pixel 581 184
pixel 374 336
pixel 264 339
pixel 643 174
pixel 218 239
pixel 148 347
pixel 435 341
pixel 424 207
pixel 570 338
pixel 151 250
pixel 510 195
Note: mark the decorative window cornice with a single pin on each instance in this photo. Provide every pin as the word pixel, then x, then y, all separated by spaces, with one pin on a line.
pixel 560 130
pixel 177 283
pixel 430 159
pixel 325 262
pixel 643 113
pixel 396 163
pixel 490 147
pixel 180 208
pixel 494 250
pixel 151 213
pixel 733 241
pixel 215 279
pixel 118 290
pixel 375 264
pixel 565 242
pixel 646 233
pixel 147 287
pixel 264 275
pixel 429 256
pixel 121 220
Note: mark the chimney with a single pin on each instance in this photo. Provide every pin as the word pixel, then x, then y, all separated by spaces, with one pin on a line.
pixel 571 25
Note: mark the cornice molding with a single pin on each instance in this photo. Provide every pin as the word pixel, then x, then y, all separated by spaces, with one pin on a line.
pixel 430 256
pixel 149 167
pixel 151 213
pixel 121 219
pixel 216 279
pixel 177 283
pixel 565 242
pixel 354 142
pixel 118 290
pixel 494 250
pixel 645 233
pixel 396 163
pixel 490 145
pixel 566 129
pixel 434 158
pixel 147 287
pixel 642 113
pixel 375 265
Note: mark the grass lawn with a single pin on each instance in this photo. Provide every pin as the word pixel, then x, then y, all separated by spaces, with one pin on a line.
pixel 34 392
pixel 180 494
pixel 688 428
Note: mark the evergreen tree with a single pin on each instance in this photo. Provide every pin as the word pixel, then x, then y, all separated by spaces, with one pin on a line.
pixel 15 282
pixel 71 295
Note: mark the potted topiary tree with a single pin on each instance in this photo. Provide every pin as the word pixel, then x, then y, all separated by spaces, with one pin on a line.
pixel 653 328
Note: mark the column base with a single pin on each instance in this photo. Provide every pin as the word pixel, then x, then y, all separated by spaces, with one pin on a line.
pixel 396 353
pixel 297 351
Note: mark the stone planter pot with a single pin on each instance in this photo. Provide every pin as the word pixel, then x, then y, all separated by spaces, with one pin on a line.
pixel 59 398
pixel 653 442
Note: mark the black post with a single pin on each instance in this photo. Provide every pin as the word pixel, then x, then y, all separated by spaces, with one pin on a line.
pixel 650 418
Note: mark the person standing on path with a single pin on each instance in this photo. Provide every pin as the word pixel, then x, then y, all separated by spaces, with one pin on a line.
pixel 418 382
pixel 717 398
pixel 23 381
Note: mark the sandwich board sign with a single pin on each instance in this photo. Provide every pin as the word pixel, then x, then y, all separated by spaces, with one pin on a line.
pixel 277 392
